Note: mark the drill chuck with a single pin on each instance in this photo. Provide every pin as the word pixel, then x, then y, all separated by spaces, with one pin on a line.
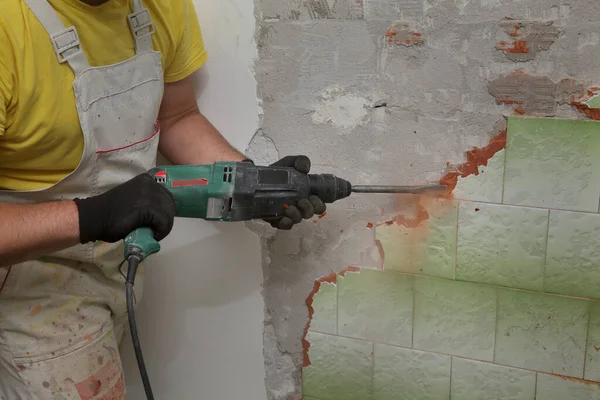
pixel 329 188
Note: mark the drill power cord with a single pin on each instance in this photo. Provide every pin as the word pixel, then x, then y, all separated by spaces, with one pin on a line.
pixel 134 262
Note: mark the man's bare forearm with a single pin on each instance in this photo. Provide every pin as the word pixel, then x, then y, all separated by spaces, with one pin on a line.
pixel 28 231
pixel 187 137
pixel 192 139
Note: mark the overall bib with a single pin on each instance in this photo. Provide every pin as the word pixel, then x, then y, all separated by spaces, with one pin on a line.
pixel 62 316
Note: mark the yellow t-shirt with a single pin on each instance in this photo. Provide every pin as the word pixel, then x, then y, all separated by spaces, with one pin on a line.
pixel 40 136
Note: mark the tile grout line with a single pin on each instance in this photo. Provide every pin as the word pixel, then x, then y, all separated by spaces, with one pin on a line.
pixel 450 383
pixel 337 304
pixel 456 242
pixel 414 296
pixel 504 166
pixel 525 206
pixel 373 374
pixel 567 296
pixel 546 255
pixel 496 324
pixel 587 338
pixel 461 358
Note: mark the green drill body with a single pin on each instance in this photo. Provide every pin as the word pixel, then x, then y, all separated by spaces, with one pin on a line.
pixel 239 191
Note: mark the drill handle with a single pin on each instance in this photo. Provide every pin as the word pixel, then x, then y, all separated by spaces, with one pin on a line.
pixel 141 244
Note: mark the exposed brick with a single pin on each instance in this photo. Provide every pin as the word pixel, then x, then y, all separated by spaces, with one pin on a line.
pixel 536 95
pixel 525 39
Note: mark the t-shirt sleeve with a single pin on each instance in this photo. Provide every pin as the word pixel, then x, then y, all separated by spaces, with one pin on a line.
pixel 7 73
pixel 190 53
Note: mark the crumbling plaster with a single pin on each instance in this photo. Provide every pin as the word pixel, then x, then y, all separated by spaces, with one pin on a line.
pixel 368 109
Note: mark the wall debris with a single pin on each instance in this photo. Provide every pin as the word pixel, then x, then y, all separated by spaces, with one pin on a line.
pixel 343 109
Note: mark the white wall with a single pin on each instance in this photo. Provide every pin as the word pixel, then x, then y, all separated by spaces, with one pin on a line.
pixel 201 318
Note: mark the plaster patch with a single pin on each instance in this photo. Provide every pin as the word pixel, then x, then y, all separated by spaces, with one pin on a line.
pixel 281 365
pixel 587 39
pixel 400 33
pixel 386 9
pixel 524 39
pixel 312 9
pixel 262 149
pixel 318 9
pixel 341 109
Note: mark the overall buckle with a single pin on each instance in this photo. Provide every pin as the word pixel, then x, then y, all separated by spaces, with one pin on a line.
pixel 140 23
pixel 64 42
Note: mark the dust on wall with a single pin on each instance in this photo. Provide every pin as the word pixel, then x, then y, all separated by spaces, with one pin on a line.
pixel 339 82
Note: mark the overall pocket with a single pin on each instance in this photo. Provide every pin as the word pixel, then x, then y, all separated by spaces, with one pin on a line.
pixel 117 166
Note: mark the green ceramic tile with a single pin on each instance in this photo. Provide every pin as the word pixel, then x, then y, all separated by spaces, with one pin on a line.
pixel 573 259
pixel 487 186
pixel 592 354
pixel 474 380
pixel 455 318
pixel 428 249
pixel 376 305
pixel 553 163
pixel 541 332
pixel 594 102
pixel 341 368
pixel 410 374
pixel 558 388
pixel 502 245
pixel 325 305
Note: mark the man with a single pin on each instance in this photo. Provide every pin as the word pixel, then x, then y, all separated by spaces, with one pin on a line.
pixel 89 91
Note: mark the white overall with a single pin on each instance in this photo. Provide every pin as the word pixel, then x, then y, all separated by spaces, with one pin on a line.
pixel 61 317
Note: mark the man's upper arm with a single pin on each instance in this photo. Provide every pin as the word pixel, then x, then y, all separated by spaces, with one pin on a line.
pixel 189 54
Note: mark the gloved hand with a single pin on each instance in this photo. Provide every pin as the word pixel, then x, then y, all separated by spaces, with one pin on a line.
pixel 304 208
pixel 138 203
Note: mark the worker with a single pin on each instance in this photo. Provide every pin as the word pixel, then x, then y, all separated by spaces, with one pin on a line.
pixel 90 91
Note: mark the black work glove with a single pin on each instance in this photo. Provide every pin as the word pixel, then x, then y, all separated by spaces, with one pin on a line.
pixel 138 203
pixel 304 208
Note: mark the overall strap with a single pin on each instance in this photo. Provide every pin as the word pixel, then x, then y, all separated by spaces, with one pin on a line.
pixel 65 40
pixel 141 27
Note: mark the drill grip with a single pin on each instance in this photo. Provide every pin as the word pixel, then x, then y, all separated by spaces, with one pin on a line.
pixel 141 244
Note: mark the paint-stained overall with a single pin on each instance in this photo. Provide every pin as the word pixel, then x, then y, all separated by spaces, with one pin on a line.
pixel 62 317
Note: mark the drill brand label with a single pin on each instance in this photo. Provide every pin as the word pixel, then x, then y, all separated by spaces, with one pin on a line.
pixel 190 182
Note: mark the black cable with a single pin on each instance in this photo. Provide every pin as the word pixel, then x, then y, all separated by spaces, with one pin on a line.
pixel 134 262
